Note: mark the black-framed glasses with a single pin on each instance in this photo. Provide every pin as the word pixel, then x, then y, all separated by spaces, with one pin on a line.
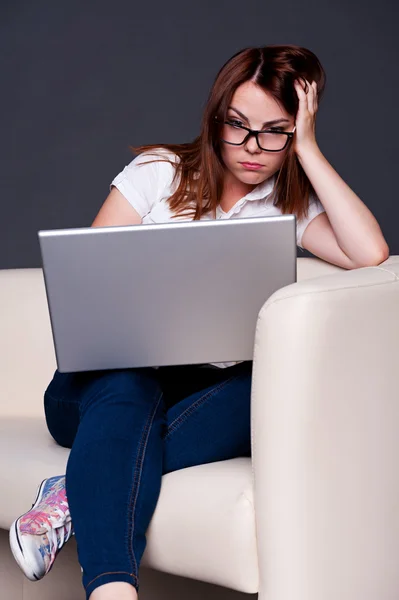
pixel 267 139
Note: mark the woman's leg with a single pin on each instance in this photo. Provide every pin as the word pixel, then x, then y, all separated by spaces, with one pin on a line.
pixel 207 420
pixel 114 470
pixel 211 424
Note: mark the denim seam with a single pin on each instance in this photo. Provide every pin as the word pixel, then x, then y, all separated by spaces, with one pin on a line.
pixel 191 409
pixel 112 573
pixel 137 477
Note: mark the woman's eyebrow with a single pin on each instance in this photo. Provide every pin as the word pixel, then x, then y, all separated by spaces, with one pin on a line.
pixel 265 123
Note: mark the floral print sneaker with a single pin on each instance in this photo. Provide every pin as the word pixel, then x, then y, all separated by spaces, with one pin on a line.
pixel 37 536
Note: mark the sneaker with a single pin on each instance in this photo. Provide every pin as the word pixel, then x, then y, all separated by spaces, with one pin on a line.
pixel 38 535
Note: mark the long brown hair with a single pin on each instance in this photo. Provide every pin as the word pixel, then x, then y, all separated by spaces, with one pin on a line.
pixel 273 68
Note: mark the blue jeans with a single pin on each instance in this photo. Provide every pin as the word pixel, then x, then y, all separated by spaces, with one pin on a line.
pixel 126 428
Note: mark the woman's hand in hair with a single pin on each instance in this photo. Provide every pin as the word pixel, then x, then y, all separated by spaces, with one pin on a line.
pixel 305 132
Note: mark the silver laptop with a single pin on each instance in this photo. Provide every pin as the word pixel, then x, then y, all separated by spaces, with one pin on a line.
pixel 186 292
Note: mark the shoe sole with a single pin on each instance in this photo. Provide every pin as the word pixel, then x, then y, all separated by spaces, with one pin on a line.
pixel 15 543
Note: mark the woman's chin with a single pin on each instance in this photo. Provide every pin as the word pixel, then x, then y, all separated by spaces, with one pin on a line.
pixel 252 176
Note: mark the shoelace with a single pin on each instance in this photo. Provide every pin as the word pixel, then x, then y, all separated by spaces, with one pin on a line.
pixel 58 530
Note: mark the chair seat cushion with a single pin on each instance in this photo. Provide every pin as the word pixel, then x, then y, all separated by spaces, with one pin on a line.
pixel 203 526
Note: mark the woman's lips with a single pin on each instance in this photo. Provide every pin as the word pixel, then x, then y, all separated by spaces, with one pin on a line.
pixel 252 166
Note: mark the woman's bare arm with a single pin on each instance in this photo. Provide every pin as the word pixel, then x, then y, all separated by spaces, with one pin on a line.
pixel 116 210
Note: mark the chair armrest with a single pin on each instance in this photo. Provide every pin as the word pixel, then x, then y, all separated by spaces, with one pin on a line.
pixel 325 437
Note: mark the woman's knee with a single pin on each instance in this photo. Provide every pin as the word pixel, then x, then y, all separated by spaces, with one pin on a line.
pixel 61 409
pixel 61 386
pixel 69 395
pixel 87 386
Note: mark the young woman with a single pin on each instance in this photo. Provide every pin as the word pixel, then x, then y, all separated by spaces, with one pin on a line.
pixel 256 155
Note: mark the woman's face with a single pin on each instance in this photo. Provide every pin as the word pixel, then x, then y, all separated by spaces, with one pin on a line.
pixel 258 107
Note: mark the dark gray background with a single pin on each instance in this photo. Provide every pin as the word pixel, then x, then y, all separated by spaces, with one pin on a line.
pixel 80 81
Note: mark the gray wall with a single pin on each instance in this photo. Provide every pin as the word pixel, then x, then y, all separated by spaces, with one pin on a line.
pixel 83 80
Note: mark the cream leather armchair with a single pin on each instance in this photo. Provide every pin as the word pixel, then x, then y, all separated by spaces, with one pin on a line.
pixel 314 514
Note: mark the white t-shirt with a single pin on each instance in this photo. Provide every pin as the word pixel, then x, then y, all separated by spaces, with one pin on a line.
pixel 148 187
